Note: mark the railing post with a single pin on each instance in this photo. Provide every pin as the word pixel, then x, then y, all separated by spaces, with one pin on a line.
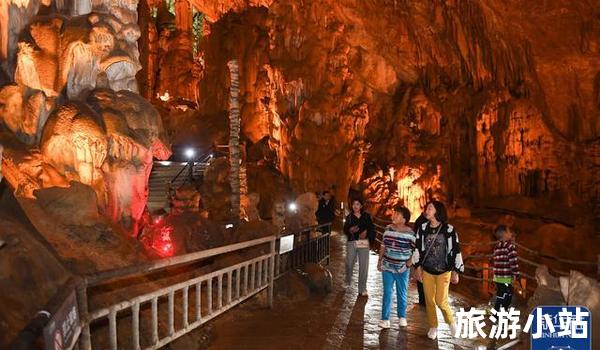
pixel 154 320
pixel 112 328
pixel 198 301
pixel 328 247
pixel 185 306
pixel 86 342
pixel 271 273
pixel 135 325
pixel 171 312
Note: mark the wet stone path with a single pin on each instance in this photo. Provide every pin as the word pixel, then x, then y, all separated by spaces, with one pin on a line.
pixel 339 320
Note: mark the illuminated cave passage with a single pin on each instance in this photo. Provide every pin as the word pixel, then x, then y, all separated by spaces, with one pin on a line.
pixel 155 153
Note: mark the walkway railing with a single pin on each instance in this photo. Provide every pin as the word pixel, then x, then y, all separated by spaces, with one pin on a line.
pixel 380 225
pixel 190 303
pixel 191 169
pixel 307 249
pixel 232 285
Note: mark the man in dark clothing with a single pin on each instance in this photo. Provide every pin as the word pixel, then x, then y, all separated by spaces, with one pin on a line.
pixel 418 223
pixel 326 211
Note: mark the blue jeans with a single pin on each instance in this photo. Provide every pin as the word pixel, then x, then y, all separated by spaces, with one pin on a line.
pixel 401 281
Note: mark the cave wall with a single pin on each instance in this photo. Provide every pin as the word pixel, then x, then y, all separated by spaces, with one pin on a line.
pixel 70 107
pixel 465 101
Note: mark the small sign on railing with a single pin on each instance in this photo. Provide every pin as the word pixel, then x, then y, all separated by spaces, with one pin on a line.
pixel 63 328
pixel 286 244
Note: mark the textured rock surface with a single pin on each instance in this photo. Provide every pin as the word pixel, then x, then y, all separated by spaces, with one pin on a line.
pixel 73 94
pixel 75 205
pixel 468 101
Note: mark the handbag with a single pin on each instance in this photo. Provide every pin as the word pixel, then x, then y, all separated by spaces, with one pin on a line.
pixel 362 243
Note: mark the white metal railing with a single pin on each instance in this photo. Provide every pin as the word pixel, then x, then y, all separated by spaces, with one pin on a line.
pixel 155 318
pixel 202 298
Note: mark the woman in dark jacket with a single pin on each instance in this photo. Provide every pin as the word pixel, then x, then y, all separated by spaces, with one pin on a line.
pixel 360 232
pixel 439 262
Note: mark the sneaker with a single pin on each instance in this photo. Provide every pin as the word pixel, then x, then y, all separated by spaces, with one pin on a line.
pixel 385 324
pixel 364 294
pixel 403 322
pixel 432 333
pixel 453 330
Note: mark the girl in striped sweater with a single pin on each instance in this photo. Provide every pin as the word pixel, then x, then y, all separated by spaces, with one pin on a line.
pixel 395 259
pixel 505 266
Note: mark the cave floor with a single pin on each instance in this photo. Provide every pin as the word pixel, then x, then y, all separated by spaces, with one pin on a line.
pixel 339 320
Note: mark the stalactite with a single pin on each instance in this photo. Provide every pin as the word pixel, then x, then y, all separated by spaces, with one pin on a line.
pixel 234 138
pixel 244 199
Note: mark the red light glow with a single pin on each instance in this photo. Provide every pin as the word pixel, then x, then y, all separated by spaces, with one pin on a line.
pixel 158 238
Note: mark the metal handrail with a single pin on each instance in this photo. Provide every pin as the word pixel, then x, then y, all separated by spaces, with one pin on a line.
pixel 261 274
pixel 258 274
pixel 202 159
pixel 173 261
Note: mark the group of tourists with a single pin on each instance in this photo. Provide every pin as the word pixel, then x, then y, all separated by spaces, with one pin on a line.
pixel 431 250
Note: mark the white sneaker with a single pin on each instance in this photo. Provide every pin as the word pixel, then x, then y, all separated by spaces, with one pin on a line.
pixel 453 330
pixel 364 294
pixel 432 334
pixel 403 322
pixel 385 324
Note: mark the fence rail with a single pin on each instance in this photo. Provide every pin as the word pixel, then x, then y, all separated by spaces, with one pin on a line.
pixel 258 274
pixel 307 249
pixel 192 302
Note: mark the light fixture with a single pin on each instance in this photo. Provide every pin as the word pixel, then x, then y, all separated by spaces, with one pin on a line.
pixel 293 207
pixel 190 153
pixel 229 226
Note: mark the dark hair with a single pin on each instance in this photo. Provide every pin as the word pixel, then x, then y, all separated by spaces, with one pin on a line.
pixel 441 214
pixel 357 199
pixel 404 211
pixel 500 229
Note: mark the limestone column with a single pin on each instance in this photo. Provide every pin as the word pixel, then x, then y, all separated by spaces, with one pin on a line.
pixel 234 138
pixel 183 16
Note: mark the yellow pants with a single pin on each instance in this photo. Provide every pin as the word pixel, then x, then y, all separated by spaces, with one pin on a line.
pixel 436 293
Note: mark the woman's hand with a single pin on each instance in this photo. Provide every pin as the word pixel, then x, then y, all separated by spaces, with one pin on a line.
pixel 354 229
pixel 409 263
pixel 454 277
pixel 419 274
pixel 379 268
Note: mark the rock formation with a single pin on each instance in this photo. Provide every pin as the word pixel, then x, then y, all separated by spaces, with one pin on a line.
pixel 73 103
pixel 465 99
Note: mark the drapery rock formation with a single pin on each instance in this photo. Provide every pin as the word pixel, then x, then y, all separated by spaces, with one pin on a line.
pixel 72 102
pixel 483 100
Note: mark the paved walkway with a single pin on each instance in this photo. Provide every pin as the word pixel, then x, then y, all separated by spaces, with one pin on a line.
pixel 339 320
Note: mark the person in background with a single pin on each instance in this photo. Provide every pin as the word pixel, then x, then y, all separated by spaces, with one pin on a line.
pixel 395 260
pixel 418 223
pixel 439 262
pixel 326 211
pixel 505 267
pixel 360 232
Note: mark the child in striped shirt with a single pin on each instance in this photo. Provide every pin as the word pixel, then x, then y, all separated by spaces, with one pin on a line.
pixel 505 267
pixel 395 258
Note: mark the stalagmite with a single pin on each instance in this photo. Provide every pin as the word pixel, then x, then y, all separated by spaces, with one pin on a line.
pixel 234 138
